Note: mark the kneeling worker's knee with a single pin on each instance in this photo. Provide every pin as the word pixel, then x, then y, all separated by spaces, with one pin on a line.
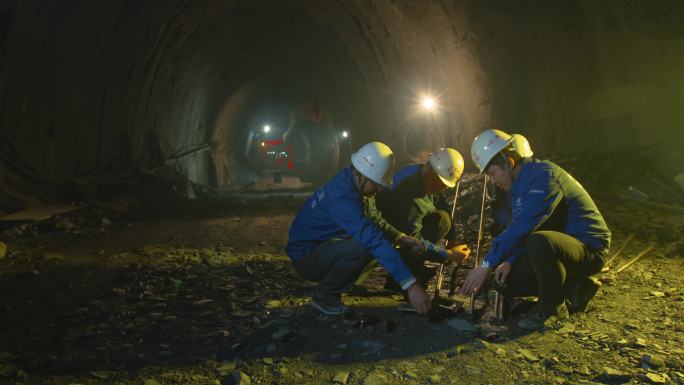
pixel 537 245
pixel 436 225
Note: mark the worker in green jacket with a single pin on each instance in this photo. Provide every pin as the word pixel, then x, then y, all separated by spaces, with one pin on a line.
pixel 409 208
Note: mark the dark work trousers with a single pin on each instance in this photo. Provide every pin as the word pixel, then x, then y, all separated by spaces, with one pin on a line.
pixel 552 258
pixel 335 265
pixel 436 225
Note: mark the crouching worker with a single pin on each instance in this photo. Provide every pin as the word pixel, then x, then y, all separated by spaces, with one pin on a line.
pixel 331 239
pixel 410 208
pixel 556 232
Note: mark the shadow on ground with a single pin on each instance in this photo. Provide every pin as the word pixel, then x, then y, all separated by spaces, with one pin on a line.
pixel 169 312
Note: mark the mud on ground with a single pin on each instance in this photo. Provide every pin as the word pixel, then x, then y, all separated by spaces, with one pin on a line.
pixel 202 293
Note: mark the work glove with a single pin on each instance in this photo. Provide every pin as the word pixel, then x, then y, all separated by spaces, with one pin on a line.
pixel 458 254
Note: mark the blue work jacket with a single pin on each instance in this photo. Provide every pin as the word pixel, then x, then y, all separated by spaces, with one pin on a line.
pixel 546 197
pixel 336 210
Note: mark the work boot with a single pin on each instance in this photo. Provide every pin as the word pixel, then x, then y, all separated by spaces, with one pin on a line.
pixel 541 317
pixel 579 293
pixel 328 303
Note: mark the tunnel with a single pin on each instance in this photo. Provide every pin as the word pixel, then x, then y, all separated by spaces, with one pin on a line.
pixel 229 113
pixel 132 84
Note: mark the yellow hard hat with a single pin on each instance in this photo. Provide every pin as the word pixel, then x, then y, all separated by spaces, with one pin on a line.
pixel 522 146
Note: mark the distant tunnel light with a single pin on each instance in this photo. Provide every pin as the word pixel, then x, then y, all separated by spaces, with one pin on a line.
pixel 267 128
pixel 428 103
pixel 345 134
pixel 263 144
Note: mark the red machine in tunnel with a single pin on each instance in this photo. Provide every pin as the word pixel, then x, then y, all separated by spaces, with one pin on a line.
pixel 311 142
pixel 274 155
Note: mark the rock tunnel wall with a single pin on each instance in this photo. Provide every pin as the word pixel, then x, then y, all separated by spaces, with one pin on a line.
pixel 588 78
pixel 88 85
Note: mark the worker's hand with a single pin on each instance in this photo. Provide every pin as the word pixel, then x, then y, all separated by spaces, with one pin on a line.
pixel 501 273
pixel 413 245
pixel 419 299
pixel 475 280
pixel 458 253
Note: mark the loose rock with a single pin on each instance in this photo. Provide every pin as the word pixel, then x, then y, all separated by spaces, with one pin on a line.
pixel 655 378
pixel 528 355
pixel 610 374
pixel 640 343
pixel 482 344
pixel 631 326
pixel 411 374
pixel 53 257
pixel 462 325
pixel 376 377
pixel 472 369
pixel 237 378
pixel 281 334
pixel 652 361
pixel 566 328
pixel 225 368
pixel 341 377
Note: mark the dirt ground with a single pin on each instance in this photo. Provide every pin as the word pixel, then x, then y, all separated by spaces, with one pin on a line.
pixel 201 293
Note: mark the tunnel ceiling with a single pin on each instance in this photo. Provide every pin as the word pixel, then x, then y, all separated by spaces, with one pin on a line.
pixel 84 86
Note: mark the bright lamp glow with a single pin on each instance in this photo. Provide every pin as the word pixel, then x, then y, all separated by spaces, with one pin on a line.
pixel 345 134
pixel 428 103
pixel 267 128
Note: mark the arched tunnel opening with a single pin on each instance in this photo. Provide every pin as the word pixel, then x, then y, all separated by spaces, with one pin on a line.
pixel 298 71
pixel 282 132
pixel 177 201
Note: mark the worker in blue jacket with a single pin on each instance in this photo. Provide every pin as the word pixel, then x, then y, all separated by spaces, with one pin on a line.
pixel 332 238
pixel 578 291
pixel 556 231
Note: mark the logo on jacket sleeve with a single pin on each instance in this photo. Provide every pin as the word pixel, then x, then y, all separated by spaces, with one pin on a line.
pixel 318 196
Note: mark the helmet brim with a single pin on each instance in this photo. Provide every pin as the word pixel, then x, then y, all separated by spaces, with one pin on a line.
pixel 387 185
pixel 383 183
pixel 447 182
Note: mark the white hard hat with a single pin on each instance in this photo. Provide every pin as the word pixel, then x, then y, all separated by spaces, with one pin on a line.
pixel 375 161
pixel 521 146
pixel 487 145
pixel 448 164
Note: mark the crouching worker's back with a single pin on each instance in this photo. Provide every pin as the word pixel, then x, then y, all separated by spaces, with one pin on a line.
pixel 331 239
